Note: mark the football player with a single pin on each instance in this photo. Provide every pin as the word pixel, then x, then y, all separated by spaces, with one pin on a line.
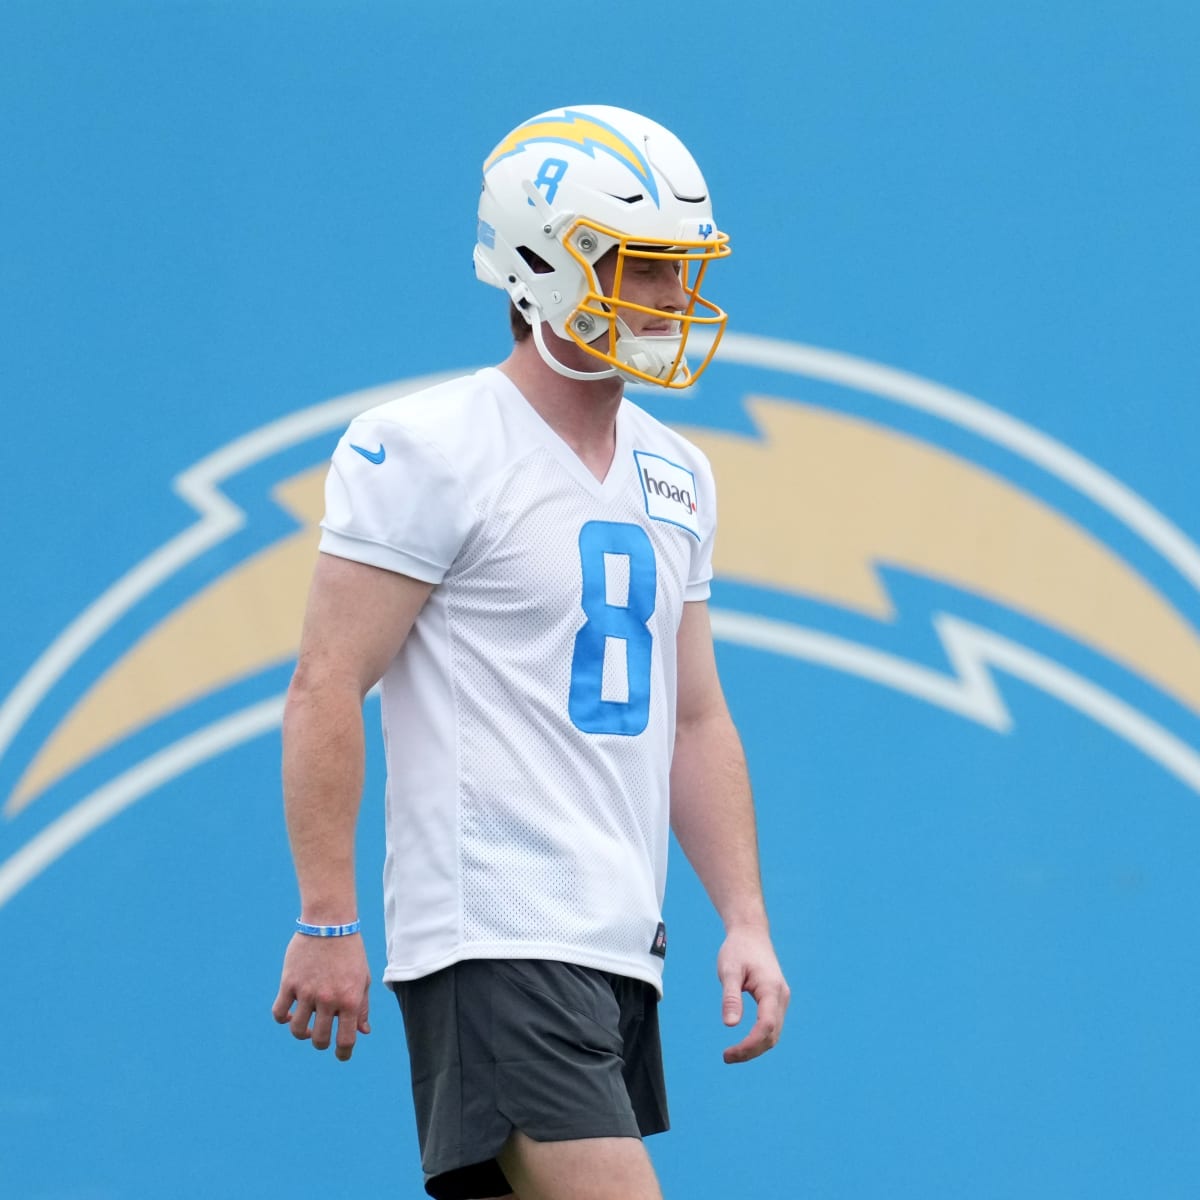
pixel 522 557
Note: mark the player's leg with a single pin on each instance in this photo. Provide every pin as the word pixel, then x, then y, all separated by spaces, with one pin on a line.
pixel 460 1127
pixel 610 1168
pixel 588 1167
pixel 565 1054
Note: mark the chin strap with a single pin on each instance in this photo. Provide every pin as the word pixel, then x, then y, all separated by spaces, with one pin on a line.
pixel 562 368
pixel 653 356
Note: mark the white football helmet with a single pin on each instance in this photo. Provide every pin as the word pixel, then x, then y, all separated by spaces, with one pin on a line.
pixel 571 185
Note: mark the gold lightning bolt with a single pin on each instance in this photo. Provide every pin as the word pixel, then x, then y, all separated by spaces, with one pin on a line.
pixel 814 505
pixel 243 622
pixel 578 130
pixel 822 499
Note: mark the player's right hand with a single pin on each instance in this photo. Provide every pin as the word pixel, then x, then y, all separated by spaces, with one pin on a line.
pixel 325 979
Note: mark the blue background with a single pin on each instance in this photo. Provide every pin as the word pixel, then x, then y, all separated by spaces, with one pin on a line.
pixel 215 214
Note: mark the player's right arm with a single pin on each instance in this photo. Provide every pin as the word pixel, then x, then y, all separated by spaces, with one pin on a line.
pixel 356 621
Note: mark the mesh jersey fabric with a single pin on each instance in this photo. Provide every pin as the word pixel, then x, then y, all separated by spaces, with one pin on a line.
pixel 529 718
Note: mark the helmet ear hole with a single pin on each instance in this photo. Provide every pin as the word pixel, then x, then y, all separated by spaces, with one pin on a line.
pixel 534 261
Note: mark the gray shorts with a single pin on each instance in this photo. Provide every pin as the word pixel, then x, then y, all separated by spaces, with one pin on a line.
pixel 552 1049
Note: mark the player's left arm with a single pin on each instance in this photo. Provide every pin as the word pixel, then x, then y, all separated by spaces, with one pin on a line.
pixel 712 814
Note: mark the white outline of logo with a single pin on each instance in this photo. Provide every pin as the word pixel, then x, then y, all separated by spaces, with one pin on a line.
pixel 973 652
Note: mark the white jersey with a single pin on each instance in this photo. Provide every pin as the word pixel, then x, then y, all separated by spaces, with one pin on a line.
pixel 529 719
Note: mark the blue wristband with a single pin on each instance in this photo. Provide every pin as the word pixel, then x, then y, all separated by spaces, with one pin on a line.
pixel 328 930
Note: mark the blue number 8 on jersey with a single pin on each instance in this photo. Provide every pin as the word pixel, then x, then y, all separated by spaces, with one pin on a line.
pixel 610 554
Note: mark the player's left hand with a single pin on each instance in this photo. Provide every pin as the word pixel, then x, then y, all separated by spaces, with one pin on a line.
pixel 747 963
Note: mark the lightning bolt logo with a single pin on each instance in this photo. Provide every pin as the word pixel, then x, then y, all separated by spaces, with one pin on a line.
pixel 841 533
pixel 585 133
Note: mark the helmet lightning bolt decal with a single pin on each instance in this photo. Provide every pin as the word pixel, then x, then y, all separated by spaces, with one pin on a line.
pixel 584 132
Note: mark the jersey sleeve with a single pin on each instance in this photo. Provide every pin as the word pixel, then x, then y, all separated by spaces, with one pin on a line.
pixel 393 501
pixel 699 584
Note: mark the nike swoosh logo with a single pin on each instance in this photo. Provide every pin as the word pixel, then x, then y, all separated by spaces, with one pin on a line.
pixel 375 457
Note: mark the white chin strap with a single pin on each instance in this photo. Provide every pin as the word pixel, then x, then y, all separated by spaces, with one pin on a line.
pixel 653 356
pixel 562 368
